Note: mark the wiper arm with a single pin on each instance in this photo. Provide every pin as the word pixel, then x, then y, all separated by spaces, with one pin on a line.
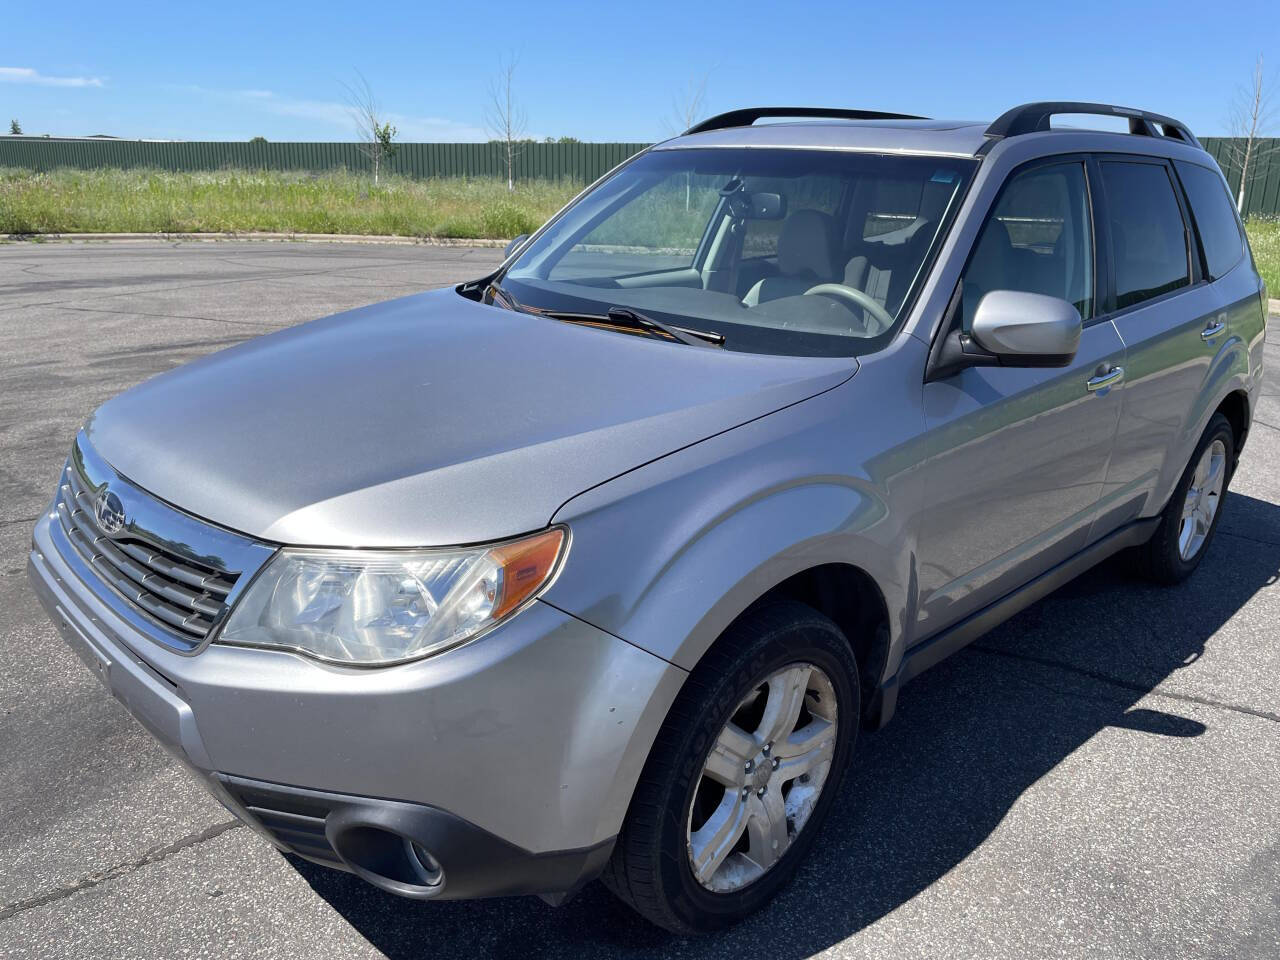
pixel 504 299
pixel 694 338
pixel 619 317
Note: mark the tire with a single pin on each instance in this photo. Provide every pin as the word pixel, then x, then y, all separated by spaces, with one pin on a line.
pixel 651 868
pixel 1165 558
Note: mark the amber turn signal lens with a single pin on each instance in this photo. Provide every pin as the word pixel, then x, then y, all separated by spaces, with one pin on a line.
pixel 526 565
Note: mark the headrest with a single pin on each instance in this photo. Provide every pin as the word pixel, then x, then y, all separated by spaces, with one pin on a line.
pixel 805 244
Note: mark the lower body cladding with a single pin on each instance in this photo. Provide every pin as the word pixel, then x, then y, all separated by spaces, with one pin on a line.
pixel 409 849
pixel 501 767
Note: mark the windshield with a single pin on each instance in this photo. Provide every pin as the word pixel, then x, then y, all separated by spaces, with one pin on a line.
pixel 803 252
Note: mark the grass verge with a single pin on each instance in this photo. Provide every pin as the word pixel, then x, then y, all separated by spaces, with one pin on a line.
pixel 1264 239
pixel 238 201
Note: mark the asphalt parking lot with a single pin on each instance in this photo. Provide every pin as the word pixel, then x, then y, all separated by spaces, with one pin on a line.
pixel 1099 777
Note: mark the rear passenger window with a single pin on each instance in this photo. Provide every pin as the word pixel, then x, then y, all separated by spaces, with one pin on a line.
pixel 894 205
pixel 1037 240
pixel 1148 237
pixel 1215 217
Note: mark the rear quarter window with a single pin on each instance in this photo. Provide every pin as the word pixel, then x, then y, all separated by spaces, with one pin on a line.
pixel 1215 217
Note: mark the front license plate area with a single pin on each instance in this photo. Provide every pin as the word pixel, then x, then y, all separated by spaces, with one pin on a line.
pixel 84 648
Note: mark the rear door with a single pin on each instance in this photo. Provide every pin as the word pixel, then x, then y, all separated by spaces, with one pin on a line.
pixel 1166 314
pixel 1021 453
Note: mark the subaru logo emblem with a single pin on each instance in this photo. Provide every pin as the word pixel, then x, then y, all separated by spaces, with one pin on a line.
pixel 110 513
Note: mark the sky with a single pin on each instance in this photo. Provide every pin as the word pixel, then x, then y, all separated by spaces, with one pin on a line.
pixel 604 71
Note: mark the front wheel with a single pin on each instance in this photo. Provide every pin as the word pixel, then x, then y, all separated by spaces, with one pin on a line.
pixel 742 774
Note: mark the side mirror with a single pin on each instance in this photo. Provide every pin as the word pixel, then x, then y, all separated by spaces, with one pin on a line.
pixel 1027 329
pixel 1009 329
pixel 514 245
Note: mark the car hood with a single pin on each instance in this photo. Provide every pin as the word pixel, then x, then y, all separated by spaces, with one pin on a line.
pixel 428 420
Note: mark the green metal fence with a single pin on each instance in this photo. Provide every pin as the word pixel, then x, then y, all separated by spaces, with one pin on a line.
pixel 543 161
pixel 1262 198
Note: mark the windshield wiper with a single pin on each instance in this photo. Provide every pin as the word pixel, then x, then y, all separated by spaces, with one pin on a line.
pixel 694 338
pixel 617 316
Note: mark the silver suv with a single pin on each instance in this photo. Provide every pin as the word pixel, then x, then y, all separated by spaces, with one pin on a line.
pixel 596 566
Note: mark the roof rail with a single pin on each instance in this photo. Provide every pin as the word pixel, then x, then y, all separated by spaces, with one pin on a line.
pixel 1033 117
pixel 749 115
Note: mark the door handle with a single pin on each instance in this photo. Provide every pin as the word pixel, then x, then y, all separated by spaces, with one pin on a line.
pixel 1214 328
pixel 1103 380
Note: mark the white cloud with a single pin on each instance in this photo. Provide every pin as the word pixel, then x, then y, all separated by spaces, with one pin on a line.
pixel 337 115
pixel 28 75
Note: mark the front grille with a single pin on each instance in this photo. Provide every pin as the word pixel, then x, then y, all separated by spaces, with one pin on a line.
pixel 177 593
pixel 294 819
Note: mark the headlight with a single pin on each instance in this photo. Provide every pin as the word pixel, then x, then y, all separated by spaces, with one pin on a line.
pixel 377 607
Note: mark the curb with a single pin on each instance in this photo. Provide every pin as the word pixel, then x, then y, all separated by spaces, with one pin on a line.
pixel 264 237
pixel 1274 307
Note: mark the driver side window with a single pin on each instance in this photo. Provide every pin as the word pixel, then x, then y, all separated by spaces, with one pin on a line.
pixel 1038 239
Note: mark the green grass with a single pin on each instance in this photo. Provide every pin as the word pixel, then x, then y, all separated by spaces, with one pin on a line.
pixel 238 201
pixel 1264 239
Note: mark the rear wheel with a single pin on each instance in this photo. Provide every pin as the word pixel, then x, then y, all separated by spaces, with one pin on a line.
pixel 1191 516
pixel 742 774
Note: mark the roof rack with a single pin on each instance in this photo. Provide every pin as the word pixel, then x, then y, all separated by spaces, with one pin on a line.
pixel 749 115
pixel 1034 117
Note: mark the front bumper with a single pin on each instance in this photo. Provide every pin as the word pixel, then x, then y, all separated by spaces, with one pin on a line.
pixel 515 755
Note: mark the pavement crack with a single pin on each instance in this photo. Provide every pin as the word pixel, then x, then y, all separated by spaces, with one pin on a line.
pixel 1120 682
pixel 213 282
pixel 9 523
pixel 169 316
pixel 154 855
pixel 1241 536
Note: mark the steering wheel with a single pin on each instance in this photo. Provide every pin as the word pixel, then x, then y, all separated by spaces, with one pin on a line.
pixel 859 298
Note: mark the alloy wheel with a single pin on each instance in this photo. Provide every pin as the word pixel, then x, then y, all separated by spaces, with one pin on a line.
pixel 1203 496
pixel 762 778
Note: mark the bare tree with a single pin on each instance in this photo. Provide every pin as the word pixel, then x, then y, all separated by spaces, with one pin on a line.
pixel 505 118
pixel 375 131
pixel 1252 112
pixel 687 105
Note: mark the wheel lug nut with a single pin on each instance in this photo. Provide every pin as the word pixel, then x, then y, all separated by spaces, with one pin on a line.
pixel 767 747
pixel 749 765
pixel 746 792
pixel 760 792
pixel 776 763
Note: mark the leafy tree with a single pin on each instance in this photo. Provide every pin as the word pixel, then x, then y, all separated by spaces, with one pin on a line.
pixel 258 140
pixel 376 133
pixel 15 128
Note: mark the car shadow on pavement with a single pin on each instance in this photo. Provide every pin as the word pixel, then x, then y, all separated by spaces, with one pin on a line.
pixel 969 738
